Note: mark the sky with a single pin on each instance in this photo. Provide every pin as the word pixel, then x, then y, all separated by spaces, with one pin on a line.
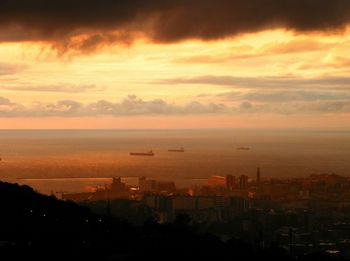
pixel 175 64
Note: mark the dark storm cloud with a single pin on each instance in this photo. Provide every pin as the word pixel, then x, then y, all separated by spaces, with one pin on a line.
pixel 105 21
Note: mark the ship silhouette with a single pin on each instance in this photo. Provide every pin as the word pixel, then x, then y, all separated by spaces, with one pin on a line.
pixel 177 150
pixel 243 148
pixel 148 153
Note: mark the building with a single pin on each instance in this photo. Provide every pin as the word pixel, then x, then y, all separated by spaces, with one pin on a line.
pixel 150 185
pixel 116 190
pixel 167 186
pixel 147 185
pixel 230 182
pixel 243 182
pixel 118 186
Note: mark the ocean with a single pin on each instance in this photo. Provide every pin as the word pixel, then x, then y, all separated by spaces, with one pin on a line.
pixel 55 161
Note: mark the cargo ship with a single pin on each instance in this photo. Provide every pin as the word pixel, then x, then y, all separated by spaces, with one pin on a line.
pixel 148 153
pixel 243 148
pixel 177 150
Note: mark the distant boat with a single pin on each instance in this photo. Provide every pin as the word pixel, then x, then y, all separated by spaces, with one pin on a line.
pixel 177 150
pixel 243 148
pixel 148 153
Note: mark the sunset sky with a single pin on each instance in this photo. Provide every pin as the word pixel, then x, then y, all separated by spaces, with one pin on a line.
pixel 175 64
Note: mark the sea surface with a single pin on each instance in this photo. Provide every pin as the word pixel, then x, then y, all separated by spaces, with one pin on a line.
pixel 56 161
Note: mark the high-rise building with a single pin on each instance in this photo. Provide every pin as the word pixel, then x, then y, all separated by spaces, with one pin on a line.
pixel 230 182
pixel 118 185
pixel 142 183
pixel 168 186
pixel 243 182
pixel 258 177
pixel 151 185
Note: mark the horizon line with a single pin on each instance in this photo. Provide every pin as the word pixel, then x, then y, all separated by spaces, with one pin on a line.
pixel 177 129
